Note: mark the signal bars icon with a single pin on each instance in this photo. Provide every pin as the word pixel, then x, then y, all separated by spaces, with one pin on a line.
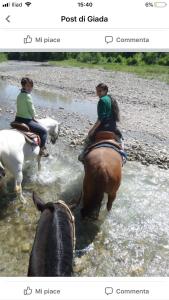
pixel 6 4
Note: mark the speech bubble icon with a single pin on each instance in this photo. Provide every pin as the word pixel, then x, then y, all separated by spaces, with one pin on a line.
pixel 108 290
pixel 109 39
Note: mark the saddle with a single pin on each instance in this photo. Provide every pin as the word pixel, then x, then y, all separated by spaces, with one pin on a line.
pixel 30 137
pixel 106 139
pixel 20 126
pixel 106 135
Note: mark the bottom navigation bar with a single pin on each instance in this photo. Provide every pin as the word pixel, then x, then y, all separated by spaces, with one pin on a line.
pixel 84 288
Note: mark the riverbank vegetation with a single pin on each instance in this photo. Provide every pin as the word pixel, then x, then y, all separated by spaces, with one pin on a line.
pixel 122 58
pixel 147 71
pixel 3 57
pixel 146 64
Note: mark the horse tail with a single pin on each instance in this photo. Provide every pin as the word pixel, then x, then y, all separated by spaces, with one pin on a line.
pixel 98 196
pixel 93 193
pixel 95 203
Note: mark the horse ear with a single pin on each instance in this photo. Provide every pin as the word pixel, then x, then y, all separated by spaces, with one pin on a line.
pixel 38 202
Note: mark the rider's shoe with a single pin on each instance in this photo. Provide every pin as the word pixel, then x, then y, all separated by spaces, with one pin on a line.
pixel 43 152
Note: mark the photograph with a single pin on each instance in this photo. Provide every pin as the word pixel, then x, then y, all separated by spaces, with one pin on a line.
pixel 84 164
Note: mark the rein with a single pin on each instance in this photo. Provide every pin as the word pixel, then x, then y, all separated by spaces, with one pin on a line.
pixel 1 163
pixel 72 219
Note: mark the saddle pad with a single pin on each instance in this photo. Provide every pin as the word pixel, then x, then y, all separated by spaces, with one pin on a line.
pixel 107 145
pixel 32 138
pixel 121 152
pixel 109 142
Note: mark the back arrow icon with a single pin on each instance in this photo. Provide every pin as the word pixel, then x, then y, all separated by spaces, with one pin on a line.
pixel 7 18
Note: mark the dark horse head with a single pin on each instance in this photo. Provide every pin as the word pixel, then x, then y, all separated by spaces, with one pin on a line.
pixel 52 252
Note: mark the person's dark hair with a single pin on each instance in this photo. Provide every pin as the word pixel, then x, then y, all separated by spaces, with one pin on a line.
pixel 102 86
pixel 115 109
pixel 26 80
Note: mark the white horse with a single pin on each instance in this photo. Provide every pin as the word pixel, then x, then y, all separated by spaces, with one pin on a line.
pixel 14 151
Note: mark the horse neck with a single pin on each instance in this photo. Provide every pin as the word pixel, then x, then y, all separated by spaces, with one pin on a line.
pixel 48 123
pixel 43 123
pixel 53 248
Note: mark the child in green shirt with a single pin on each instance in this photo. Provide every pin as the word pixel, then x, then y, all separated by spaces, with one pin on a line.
pixel 26 113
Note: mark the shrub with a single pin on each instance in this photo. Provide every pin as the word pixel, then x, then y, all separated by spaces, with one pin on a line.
pixel 164 61
pixel 137 59
pixel 3 57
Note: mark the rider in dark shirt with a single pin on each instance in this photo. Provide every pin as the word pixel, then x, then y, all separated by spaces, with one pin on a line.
pixel 108 115
pixel 108 112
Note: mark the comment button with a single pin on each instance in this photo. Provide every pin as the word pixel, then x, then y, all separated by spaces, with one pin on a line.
pixel 109 39
pixel 108 291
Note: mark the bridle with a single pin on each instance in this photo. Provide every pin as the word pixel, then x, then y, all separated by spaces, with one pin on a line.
pixel 72 220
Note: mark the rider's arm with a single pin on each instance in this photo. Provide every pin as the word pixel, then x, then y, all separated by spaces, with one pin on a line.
pixel 30 106
pixel 102 109
pixel 95 126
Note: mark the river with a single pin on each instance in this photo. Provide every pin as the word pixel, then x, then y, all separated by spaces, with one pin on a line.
pixel 131 240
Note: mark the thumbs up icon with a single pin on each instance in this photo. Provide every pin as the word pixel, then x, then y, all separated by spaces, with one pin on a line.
pixel 28 40
pixel 27 291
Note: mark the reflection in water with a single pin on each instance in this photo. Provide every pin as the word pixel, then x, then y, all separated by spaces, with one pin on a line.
pixel 46 99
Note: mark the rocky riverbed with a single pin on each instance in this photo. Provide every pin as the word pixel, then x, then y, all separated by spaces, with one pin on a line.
pixel 144 106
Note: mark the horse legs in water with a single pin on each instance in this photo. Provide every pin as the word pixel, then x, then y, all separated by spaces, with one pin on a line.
pixel 111 198
pixel 39 163
pixel 16 169
pixel 18 186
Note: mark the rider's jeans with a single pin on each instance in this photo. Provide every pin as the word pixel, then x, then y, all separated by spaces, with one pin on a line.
pixel 36 128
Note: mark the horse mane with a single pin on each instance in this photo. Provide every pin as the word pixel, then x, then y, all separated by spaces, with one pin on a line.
pixel 59 249
pixel 52 252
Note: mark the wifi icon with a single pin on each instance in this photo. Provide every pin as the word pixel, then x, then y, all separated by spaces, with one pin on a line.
pixel 28 3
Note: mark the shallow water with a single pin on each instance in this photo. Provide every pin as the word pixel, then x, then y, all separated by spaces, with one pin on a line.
pixel 49 100
pixel 18 223
pixel 132 240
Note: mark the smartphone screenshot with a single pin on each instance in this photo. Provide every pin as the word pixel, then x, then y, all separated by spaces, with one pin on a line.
pixel 84 139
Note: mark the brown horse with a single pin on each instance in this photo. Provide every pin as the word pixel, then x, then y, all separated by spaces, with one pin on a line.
pixel 52 252
pixel 103 168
